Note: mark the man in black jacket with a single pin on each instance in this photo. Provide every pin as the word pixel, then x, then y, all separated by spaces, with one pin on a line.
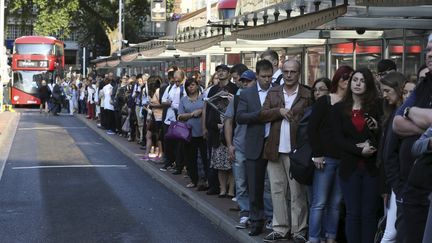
pixel 411 120
pixel 57 98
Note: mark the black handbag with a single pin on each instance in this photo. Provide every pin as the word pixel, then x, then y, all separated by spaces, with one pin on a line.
pixel 301 165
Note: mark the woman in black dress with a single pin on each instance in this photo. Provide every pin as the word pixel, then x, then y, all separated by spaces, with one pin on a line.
pixel 44 95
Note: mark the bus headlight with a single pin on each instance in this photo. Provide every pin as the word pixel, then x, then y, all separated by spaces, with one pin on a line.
pixel 43 64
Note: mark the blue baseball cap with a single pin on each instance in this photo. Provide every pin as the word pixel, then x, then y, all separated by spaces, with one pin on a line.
pixel 248 75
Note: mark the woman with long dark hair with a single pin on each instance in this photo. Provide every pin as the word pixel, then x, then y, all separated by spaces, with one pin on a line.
pixel 391 88
pixel 190 111
pixel 326 192
pixel 356 133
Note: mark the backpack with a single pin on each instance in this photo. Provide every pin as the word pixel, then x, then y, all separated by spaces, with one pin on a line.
pixel 302 167
pixel 277 81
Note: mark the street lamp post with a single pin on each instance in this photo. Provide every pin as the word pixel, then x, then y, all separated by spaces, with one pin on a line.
pixel 3 60
pixel 120 25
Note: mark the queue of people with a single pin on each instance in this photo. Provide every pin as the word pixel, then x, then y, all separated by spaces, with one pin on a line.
pixel 365 132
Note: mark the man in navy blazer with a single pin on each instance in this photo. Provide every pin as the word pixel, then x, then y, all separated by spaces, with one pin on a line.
pixel 251 101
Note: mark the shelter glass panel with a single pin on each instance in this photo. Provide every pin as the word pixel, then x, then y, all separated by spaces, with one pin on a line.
pixel 368 54
pixel 395 52
pixel 413 59
pixel 316 64
pixel 342 54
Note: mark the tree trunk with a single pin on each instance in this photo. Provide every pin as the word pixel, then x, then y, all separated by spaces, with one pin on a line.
pixel 114 38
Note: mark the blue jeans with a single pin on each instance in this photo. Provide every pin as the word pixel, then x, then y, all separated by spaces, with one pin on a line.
pixel 242 195
pixel 326 198
pixel 360 192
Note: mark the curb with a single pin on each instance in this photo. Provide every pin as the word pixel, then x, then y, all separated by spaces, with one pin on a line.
pixel 6 138
pixel 215 215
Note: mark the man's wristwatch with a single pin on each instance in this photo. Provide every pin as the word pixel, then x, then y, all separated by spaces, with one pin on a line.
pixel 406 112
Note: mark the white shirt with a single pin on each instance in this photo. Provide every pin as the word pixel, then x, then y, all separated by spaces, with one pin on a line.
pixel 51 87
pixel 262 95
pixel 90 92
pixel 144 95
pixel 96 95
pixel 285 134
pixel 276 76
pixel 101 97
pixel 107 90
pixel 172 95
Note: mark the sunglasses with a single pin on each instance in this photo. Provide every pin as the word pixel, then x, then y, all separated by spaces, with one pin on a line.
pixel 346 76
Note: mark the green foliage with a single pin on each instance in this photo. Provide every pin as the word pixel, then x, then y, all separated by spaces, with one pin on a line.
pixel 53 17
pixel 94 19
pixel 170 6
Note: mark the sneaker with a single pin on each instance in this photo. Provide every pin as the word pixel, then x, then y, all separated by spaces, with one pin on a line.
pixel 109 132
pixel 274 236
pixel 244 223
pixel 176 172
pixel 190 185
pixel 269 225
pixel 163 169
pixel 299 239
pixel 145 158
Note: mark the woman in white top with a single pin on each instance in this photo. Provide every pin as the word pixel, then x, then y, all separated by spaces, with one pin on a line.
pixel 90 100
pixel 108 108
pixel 101 102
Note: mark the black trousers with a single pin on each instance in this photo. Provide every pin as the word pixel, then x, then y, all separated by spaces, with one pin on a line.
pixel 109 120
pixel 410 222
pixel 191 152
pixel 102 117
pixel 118 121
pixel 255 171
pixel 180 158
pixel 170 148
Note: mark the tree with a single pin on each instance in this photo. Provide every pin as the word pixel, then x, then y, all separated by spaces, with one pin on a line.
pixel 90 17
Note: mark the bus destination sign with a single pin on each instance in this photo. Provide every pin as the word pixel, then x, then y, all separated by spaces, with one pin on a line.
pixel 32 64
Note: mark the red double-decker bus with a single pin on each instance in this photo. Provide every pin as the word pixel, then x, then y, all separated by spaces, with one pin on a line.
pixel 34 58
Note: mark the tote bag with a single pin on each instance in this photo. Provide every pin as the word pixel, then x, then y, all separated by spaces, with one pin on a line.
pixel 179 131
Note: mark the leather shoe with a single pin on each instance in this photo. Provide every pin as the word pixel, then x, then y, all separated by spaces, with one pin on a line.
pixel 255 230
pixel 212 192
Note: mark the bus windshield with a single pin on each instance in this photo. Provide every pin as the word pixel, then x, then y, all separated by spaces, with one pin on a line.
pixel 30 81
pixel 42 49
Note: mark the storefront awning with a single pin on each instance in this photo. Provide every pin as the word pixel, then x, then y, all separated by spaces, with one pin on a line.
pixel 392 3
pixel 290 26
pixel 200 44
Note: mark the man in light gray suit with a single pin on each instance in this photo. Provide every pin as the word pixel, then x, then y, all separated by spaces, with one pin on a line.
pixel 251 101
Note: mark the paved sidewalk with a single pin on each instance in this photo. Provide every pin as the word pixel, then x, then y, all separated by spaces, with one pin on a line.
pixel 8 126
pixel 214 208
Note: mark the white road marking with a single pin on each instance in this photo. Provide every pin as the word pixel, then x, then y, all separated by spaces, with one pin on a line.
pixel 68 166
pixel 48 128
pixel 88 143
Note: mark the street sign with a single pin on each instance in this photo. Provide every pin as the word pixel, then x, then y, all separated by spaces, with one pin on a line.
pixel 158 10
